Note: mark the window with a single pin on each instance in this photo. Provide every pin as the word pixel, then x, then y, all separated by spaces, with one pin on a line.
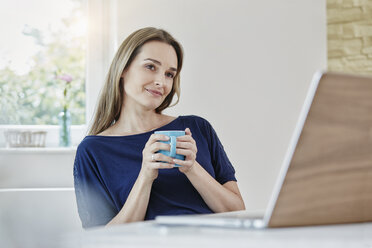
pixel 31 101
pixel 42 54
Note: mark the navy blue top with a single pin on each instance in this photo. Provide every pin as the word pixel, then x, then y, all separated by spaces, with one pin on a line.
pixel 106 168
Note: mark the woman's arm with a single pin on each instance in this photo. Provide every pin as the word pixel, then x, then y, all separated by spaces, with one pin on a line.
pixel 136 204
pixel 219 198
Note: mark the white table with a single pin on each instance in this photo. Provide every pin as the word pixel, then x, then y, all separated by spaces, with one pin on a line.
pixel 149 234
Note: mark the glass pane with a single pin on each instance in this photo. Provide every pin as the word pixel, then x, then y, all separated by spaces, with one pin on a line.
pixel 42 56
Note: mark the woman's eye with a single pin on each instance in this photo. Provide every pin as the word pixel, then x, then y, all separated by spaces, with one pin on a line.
pixel 170 75
pixel 150 67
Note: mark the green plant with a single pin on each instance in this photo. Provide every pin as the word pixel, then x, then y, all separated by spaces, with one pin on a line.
pixel 35 98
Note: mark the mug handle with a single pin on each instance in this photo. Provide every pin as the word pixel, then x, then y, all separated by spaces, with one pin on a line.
pixel 173 143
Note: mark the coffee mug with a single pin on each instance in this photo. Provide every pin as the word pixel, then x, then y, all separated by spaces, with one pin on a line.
pixel 173 143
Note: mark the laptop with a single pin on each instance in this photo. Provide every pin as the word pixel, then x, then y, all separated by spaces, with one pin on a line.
pixel 326 175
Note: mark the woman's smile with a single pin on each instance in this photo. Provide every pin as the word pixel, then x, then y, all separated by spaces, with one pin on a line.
pixel 154 92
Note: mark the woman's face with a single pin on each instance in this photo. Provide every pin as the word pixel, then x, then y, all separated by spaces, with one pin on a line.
pixel 149 78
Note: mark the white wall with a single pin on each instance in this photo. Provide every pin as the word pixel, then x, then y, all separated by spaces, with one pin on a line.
pixel 247 68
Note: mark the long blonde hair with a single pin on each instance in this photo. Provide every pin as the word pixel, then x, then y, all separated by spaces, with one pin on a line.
pixel 111 98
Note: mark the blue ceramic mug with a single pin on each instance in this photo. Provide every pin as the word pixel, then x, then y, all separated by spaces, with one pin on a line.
pixel 173 143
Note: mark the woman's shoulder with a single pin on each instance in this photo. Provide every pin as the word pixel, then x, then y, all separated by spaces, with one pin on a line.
pixel 195 119
pixel 197 122
pixel 90 142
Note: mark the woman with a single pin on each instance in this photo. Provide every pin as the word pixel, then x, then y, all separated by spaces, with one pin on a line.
pixel 119 176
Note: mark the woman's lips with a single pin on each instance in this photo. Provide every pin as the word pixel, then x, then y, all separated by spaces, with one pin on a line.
pixel 154 92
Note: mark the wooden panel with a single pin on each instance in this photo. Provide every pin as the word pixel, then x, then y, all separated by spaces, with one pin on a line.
pixel 330 176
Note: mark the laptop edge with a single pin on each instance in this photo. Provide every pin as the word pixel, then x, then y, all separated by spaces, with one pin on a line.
pixel 292 146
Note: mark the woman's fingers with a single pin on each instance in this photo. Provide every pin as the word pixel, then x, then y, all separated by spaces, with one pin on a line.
pixel 188 153
pixel 187 163
pixel 159 161
pixel 159 146
pixel 150 159
pixel 156 137
pixel 160 165
pixel 185 145
pixel 188 131
pixel 186 138
pixel 161 157
pixel 153 144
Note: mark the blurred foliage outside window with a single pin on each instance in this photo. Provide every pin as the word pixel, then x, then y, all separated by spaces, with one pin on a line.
pixel 34 96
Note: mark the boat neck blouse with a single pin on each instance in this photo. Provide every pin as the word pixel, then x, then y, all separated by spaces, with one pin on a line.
pixel 106 168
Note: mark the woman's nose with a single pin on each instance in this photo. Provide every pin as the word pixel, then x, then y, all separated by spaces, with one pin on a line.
pixel 159 80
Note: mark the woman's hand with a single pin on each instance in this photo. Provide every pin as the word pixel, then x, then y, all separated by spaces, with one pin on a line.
pixel 150 159
pixel 186 146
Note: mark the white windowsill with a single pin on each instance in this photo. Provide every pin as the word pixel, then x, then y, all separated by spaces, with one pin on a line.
pixel 78 132
pixel 12 190
pixel 41 150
